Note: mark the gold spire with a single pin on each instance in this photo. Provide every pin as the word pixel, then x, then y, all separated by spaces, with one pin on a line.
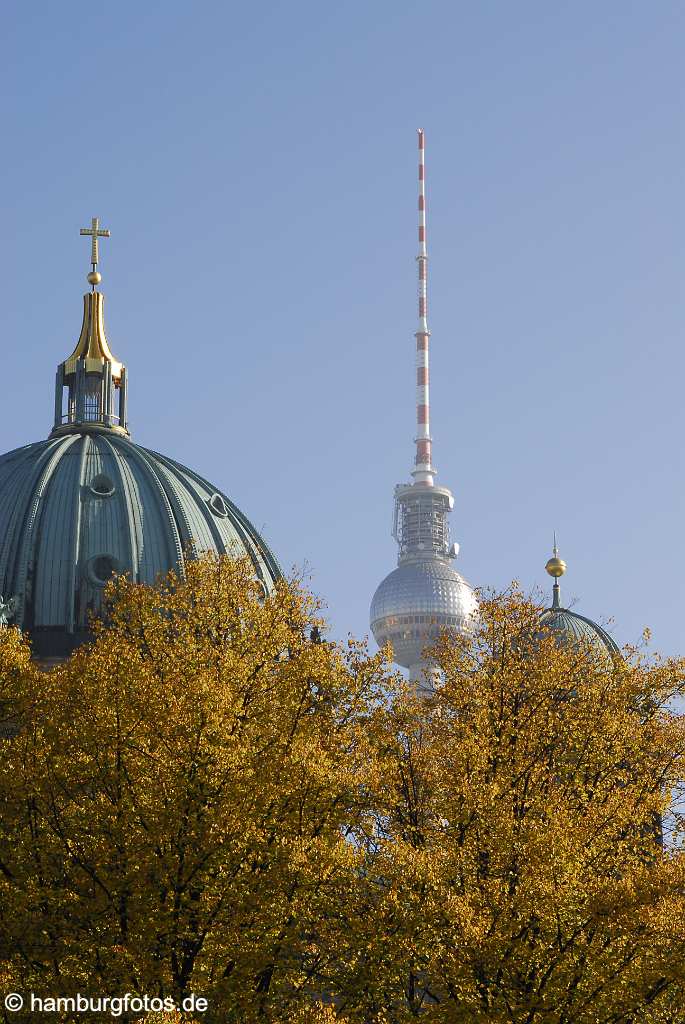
pixel 556 567
pixel 92 345
pixel 95 232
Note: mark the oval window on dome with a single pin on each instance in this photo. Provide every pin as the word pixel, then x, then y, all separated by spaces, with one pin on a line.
pixel 101 568
pixel 102 486
pixel 218 505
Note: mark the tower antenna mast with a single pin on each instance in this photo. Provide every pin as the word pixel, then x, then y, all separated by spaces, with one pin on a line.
pixel 423 471
pixel 424 595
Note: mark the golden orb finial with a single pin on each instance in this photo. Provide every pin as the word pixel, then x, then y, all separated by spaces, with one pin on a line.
pixel 555 566
pixel 94 277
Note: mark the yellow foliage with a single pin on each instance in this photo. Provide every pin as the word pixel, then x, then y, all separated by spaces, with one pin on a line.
pixel 176 802
pixel 519 816
pixel 205 801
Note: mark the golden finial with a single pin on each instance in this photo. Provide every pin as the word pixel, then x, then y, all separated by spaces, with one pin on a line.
pixel 95 231
pixel 556 566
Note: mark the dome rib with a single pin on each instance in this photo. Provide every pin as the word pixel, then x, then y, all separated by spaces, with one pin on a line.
pixel 245 531
pixel 30 530
pixel 196 534
pixel 156 550
pixel 15 496
pixel 122 479
pixel 173 536
pixel 174 483
pixel 76 526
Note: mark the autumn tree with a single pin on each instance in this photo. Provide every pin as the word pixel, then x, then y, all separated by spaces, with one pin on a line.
pixel 522 875
pixel 176 803
pixel 207 800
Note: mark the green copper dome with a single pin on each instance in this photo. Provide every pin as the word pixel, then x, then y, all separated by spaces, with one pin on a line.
pixel 569 627
pixel 78 508
pixel 88 503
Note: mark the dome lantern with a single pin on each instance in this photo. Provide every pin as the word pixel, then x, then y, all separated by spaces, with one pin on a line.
pixel 94 380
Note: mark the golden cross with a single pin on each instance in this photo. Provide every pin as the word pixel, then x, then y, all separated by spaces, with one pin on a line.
pixel 95 232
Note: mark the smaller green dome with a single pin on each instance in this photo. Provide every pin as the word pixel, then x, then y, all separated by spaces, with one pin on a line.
pixel 571 628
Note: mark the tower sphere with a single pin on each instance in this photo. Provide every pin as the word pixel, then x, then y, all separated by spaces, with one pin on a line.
pixel 415 603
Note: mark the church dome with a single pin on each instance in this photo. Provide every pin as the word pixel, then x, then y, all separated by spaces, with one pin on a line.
pixel 570 628
pixel 88 503
pixel 81 507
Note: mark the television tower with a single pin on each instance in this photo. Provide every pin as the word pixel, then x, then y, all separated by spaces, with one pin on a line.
pixel 424 595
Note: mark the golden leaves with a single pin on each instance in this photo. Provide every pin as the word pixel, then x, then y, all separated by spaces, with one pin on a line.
pixel 205 800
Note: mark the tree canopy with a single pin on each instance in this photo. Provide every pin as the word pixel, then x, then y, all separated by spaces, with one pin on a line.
pixel 527 833
pixel 208 799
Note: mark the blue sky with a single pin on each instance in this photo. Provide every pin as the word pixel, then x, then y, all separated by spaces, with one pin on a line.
pixel 256 165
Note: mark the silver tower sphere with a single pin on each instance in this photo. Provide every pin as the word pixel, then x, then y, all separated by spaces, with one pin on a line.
pixel 424 596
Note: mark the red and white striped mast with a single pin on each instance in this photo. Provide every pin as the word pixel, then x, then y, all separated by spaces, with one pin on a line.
pixel 422 508
pixel 423 472
pixel 424 595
